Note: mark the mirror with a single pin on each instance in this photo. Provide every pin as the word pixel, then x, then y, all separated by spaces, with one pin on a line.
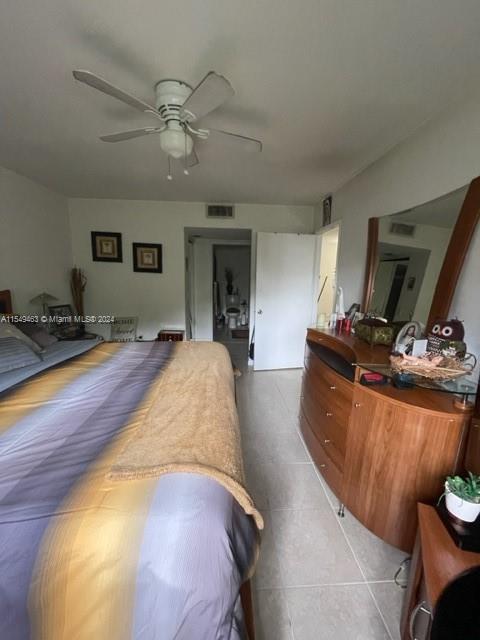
pixel 410 250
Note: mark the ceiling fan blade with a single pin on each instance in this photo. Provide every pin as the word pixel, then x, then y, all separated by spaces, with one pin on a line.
pixel 193 160
pixel 212 91
pixel 127 135
pixel 87 77
pixel 249 144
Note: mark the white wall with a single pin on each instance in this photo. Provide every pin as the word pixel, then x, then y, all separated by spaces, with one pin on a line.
pixel 158 299
pixel 35 249
pixel 442 156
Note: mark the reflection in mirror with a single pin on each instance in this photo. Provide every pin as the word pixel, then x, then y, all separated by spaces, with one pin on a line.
pixel 410 252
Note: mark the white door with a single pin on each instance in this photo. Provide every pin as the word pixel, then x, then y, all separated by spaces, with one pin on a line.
pixel 285 298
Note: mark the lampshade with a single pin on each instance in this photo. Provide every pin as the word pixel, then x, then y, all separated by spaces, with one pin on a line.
pixel 175 142
pixel 43 298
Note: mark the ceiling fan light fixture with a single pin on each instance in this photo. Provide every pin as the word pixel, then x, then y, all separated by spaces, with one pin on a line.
pixel 175 142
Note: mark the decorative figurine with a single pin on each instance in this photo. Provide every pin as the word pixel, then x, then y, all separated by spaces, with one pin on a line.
pixel 446 338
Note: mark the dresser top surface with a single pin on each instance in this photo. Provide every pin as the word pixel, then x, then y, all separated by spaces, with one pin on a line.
pixel 356 351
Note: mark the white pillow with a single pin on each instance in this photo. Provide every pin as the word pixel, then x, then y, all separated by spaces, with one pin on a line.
pixel 8 330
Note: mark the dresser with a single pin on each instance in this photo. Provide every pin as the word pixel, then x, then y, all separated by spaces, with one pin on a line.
pixel 380 449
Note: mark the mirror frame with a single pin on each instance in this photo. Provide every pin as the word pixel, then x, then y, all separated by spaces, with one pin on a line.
pixel 453 261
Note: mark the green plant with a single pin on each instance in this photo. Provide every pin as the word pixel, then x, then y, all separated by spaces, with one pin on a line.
pixel 466 488
pixel 229 277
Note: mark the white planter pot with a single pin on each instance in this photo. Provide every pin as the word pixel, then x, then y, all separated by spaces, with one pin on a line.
pixel 461 509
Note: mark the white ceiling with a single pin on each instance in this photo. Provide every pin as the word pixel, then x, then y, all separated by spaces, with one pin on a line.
pixel 328 86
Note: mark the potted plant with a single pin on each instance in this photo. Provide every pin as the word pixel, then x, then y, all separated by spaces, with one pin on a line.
pixel 462 496
pixel 229 279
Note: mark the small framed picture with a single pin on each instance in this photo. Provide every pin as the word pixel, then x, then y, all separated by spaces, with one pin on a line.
pixel 106 246
pixel 327 211
pixel 147 257
pixel 63 314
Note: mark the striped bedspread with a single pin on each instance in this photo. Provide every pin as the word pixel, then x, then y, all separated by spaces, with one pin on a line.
pixel 84 556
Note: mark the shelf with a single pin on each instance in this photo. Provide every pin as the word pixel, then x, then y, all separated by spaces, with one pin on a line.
pixel 458 386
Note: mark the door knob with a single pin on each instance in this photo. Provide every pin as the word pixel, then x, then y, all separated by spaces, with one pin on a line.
pixel 259 312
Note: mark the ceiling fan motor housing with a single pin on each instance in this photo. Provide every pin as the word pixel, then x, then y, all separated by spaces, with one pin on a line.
pixel 170 95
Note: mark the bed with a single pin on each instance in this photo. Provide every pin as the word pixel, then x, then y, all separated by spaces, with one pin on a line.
pixel 123 512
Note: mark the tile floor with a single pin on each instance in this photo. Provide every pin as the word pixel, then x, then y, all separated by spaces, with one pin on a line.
pixel 319 576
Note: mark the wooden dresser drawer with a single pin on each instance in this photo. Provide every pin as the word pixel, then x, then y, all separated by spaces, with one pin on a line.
pixel 329 431
pixel 322 460
pixel 330 389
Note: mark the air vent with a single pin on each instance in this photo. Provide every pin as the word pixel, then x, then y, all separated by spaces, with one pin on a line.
pixel 402 229
pixel 220 211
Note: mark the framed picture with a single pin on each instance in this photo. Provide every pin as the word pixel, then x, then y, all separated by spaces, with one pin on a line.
pixel 327 211
pixel 106 246
pixel 147 258
pixel 62 312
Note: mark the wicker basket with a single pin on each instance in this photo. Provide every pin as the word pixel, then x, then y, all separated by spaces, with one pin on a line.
pixel 450 369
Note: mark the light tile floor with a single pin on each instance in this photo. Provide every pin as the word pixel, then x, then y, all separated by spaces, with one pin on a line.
pixel 319 576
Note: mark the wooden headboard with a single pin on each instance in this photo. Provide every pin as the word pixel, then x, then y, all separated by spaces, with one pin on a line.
pixel 6 301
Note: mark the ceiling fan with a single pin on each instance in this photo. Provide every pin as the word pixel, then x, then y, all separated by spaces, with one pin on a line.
pixel 177 106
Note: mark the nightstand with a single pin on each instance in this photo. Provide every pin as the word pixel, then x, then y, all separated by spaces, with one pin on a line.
pixel 435 562
pixel 171 335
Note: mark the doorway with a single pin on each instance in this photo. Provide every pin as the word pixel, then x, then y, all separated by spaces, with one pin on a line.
pixel 218 287
pixel 399 279
pixel 327 274
pixel 231 293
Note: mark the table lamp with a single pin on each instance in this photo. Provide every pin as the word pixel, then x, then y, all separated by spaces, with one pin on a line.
pixel 44 299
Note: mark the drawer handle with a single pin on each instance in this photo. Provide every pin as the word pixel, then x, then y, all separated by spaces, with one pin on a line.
pixel 328 414
pixel 323 466
pixel 357 404
pixel 421 607
pixel 326 441
pixel 333 387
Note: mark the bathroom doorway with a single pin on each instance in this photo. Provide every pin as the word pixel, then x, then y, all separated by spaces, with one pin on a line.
pixel 218 287
pixel 231 293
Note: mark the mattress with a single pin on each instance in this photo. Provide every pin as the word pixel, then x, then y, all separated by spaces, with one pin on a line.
pixel 84 556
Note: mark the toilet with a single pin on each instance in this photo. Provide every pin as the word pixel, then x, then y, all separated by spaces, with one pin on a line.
pixel 232 311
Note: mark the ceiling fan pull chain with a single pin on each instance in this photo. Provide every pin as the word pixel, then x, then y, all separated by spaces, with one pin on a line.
pixel 185 157
pixel 169 176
